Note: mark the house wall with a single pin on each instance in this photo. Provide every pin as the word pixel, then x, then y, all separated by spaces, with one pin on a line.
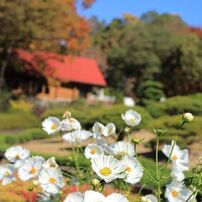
pixel 60 93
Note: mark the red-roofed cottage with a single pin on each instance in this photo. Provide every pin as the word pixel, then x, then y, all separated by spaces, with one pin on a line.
pixel 54 76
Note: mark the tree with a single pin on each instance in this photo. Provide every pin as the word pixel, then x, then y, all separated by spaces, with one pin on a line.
pixel 157 47
pixel 52 25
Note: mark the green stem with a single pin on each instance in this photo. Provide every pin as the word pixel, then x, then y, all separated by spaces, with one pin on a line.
pixel 166 164
pixel 75 152
pixel 190 197
pixel 148 173
pixel 157 170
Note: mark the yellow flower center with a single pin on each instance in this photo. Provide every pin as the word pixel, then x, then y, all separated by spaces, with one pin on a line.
pixel 33 171
pixel 174 193
pixel 52 180
pixel 174 158
pixel 128 169
pixel 132 119
pixel 106 171
pixel 124 153
pixel 17 157
pixel 6 174
pixel 93 151
pixel 54 126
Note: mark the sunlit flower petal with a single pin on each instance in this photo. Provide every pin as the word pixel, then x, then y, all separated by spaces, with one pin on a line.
pixel 70 124
pixel 149 198
pixel 93 151
pixel 77 136
pixel 51 180
pixel 51 125
pixel 131 117
pixel 17 155
pixel 133 169
pixel 75 197
pixel 177 192
pixel 108 168
pixel 123 148
pixel 7 174
pixel 31 168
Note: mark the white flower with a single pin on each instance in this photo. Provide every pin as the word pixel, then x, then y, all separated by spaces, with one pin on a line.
pixel 133 169
pixel 51 180
pixel 188 117
pixel 77 136
pixel 149 198
pixel 93 151
pixel 109 129
pixel 98 129
pixel 31 168
pixel 7 174
pixel 115 197
pixel 17 155
pixel 123 148
pixel 70 124
pixel 105 146
pixel 107 168
pixel 177 175
pixel 180 158
pixel 75 197
pixel 50 163
pixel 93 196
pixel 131 117
pixel 51 125
pixel 177 192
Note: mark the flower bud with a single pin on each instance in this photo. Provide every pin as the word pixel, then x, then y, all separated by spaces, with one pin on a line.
pixel 67 114
pixel 187 117
pixel 35 182
pixel 159 131
pixel 95 182
pixel 136 140
pixel 127 129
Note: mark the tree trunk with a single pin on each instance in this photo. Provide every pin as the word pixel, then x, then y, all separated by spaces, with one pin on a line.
pixel 3 68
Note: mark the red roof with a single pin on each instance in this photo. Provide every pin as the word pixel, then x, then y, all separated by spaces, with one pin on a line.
pixel 63 68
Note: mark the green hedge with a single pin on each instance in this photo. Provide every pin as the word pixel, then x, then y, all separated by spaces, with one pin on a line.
pixel 175 105
pixel 87 115
pixel 7 140
pixel 188 134
pixel 16 119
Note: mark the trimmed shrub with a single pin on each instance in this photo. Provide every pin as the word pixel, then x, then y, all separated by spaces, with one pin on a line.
pixel 15 119
pixel 150 90
pixel 6 140
pixel 188 134
pixel 175 105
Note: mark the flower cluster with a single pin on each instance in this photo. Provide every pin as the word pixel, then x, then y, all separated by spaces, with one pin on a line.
pixel 176 190
pixel 45 173
pixel 109 162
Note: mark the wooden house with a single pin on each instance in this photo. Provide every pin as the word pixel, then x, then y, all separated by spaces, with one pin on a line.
pixel 51 76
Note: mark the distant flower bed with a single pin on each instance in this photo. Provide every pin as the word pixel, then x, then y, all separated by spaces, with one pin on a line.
pixel 116 163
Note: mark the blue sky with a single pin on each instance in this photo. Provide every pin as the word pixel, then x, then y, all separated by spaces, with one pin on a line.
pixel 189 10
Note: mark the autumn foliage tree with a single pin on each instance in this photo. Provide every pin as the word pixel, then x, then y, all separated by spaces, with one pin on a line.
pixel 52 25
